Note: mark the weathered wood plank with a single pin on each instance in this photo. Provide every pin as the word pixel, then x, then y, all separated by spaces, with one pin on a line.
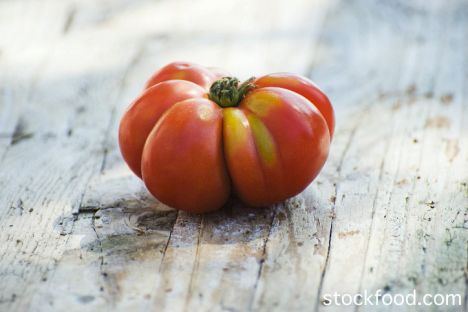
pixel 66 112
pixel 25 47
pixel 80 232
pixel 425 214
pixel 396 151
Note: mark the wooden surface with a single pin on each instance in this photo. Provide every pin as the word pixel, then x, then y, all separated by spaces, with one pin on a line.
pixel 389 211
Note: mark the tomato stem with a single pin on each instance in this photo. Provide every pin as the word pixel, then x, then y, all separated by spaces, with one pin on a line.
pixel 227 92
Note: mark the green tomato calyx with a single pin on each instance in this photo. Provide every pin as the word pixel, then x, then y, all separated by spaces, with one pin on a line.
pixel 227 92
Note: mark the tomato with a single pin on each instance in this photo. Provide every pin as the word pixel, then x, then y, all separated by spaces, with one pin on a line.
pixel 185 71
pixel 304 87
pixel 263 140
pixel 182 162
pixel 143 115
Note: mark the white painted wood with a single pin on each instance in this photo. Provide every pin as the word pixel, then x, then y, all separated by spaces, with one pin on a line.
pixel 389 210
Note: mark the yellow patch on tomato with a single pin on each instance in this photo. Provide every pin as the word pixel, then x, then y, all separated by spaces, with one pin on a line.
pixel 235 127
pixel 280 80
pixel 262 102
pixel 263 140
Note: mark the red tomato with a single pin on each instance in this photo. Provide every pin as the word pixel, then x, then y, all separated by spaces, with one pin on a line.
pixel 304 87
pixel 264 140
pixel 184 71
pixel 143 114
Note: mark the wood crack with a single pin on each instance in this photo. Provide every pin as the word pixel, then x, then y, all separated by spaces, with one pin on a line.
pixel 374 206
pixel 196 263
pixel 338 169
pixel 70 18
pixel 20 133
pixel 102 274
pixel 168 242
pixel 262 260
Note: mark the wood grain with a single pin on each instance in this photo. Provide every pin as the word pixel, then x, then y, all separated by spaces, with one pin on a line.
pixel 389 210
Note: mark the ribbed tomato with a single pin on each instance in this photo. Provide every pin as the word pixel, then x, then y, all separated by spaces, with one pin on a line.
pixel 195 138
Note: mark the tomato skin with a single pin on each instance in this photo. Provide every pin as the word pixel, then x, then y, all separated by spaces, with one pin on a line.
pixel 304 87
pixel 183 164
pixel 275 144
pixel 242 158
pixel 265 141
pixel 200 75
pixel 143 114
